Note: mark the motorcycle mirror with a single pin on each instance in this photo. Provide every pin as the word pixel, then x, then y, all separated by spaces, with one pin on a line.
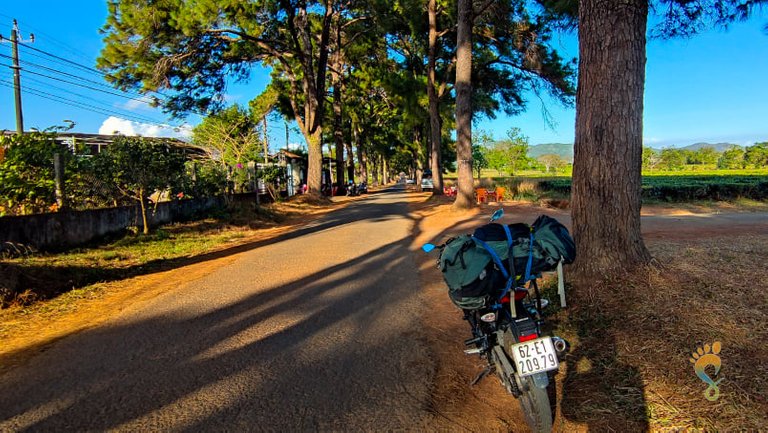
pixel 497 215
pixel 427 247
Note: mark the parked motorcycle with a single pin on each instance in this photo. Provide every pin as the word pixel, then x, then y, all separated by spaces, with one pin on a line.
pixel 362 188
pixel 507 333
pixel 351 189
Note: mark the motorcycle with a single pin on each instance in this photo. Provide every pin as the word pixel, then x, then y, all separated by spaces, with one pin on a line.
pixel 362 188
pixel 351 189
pixel 508 336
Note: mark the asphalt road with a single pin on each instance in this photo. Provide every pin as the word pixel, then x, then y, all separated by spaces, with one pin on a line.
pixel 319 331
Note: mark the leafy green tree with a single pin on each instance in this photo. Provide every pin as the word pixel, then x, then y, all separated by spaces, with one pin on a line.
pixel 502 49
pixel 27 181
pixel 552 162
pixel 732 158
pixel 26 174
pixel 139 167
pixel 229 137
pixel 757 155
pixel 672 159
pixel 191 48
pixel 705 155
pixel 481 144
pixel 651 158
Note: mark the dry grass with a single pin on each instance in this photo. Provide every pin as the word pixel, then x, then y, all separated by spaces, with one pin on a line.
pixel 635 337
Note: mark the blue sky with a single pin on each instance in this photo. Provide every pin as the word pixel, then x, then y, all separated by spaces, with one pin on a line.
pixel 713 87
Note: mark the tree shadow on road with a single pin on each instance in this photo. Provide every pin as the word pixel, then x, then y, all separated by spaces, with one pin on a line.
pixel 47 282
pixel 332 350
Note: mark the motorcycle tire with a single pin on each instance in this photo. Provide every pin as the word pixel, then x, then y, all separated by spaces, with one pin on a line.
pixel 535 405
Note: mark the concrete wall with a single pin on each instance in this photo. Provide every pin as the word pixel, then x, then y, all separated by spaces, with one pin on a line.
pixel 61 230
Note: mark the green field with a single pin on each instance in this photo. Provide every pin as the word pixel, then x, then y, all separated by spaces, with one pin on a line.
pixel 670 186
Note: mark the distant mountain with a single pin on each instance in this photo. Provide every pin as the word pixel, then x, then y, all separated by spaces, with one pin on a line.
pixel 719 147
pixel 563 150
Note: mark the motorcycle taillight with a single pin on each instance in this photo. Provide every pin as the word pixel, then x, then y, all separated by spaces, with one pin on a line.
pixel 520 294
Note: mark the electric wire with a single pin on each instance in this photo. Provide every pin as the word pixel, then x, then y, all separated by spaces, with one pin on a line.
pixel 86 97
pixel 40 54
pixel 122 114
pixel 49 38
pixel 88 107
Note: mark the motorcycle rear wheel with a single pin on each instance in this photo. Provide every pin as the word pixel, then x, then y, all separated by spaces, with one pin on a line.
pixel 535 405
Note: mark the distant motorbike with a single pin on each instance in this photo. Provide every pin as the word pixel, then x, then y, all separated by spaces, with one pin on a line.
pixel 352 189
pixel 362 188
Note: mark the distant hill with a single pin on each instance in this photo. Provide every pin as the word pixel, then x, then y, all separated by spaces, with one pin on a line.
pixel 563 150
pixel 719 147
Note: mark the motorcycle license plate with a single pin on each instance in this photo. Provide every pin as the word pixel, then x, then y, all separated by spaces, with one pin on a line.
pixel 534 356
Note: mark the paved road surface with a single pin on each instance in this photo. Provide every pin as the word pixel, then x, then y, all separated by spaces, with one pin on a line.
pixel 316 332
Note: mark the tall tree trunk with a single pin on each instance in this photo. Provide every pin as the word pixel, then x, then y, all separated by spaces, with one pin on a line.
pixel 315 163
pixel 416 152
pixel 144 219
pixel 434 105
pixel 465 196
pixel 266 140
pixel 362 171
pixel 338 136
pixel 609 137
pixel 338 133
pixel 375 169
pixel 350 161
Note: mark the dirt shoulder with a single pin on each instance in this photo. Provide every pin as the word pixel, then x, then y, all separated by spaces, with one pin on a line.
pixel 629 369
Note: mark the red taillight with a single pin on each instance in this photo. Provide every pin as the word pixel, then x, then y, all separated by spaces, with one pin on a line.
pixel 528 337
pixel 519 296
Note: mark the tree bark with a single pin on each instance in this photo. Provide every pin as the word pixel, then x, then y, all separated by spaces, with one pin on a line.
pixel 315 163
pixel 465 194
pixel 144 219
pixel 434 104
pixel 375 170
pixel 361 158
pixel 338 133
pixel 416 153
pixel 609 137
pixel 350 161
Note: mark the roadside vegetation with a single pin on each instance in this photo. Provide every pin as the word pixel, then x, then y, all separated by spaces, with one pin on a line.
pixel 31 277
pixel 632 340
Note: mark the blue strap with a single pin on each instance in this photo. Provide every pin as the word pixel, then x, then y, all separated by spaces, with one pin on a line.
pixel 530 260
pixel 509 238
pixel 495 256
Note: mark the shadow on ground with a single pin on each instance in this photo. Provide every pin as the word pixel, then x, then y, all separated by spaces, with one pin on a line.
pixel 334 350
pixel 47 282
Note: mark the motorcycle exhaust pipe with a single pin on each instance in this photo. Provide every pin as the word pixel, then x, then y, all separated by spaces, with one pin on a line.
pixel 561 346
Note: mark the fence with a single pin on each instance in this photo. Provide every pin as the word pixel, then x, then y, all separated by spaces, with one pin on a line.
pixel 61 230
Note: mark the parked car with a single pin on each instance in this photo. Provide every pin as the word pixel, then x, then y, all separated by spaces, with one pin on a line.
pixel 426 181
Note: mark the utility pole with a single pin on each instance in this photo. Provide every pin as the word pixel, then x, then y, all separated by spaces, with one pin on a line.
pixel 286 137
pixel 17 74
pixel 266 140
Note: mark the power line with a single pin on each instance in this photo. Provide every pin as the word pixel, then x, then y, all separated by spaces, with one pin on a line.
pixel 83 96
pixel 56 71
pixel 87 107
pixel 40 54
pixel 49 38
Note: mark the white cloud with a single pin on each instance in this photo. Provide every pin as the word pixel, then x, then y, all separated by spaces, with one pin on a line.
pixel 115 125
pixel 142 103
